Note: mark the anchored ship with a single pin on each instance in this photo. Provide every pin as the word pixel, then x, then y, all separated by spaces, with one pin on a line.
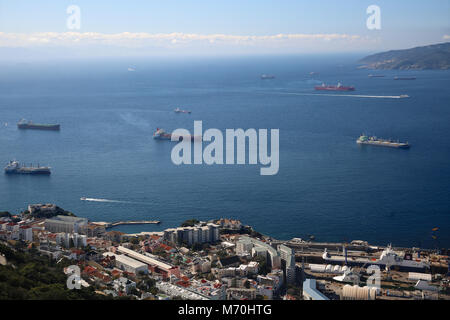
pixel 338 87
pixel 14 167
pixel 404 78
pixel 178 110
pixel 160 134
pixel 267 76
pixel 24 124
pixel 374 141
pixel 388 259
pixel 376 76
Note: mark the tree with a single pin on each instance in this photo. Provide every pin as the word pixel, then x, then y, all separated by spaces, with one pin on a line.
pixel 263 267
pixel 190 223
pixel 5 214
pixel 222 253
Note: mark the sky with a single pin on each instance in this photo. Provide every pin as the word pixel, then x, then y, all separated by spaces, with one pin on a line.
pixel 212 27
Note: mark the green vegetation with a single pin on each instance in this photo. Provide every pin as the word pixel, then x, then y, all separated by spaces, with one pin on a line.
pixel 263 267
pixel 190 223
pixel 294 291
pixel 29 276
pixel 49 214
pixel 4 214
pixel 222 253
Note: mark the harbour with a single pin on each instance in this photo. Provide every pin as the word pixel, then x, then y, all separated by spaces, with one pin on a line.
pixel 108 152
pixel 109 225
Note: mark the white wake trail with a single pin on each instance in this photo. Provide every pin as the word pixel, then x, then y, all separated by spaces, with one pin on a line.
pixel 111 201
pixel 345 95
pixel 99 200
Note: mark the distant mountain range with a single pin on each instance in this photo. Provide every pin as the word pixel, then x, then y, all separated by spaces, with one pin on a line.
pixel 435 56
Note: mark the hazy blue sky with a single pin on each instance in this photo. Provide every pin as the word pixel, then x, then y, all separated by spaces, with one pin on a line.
pixel 244 26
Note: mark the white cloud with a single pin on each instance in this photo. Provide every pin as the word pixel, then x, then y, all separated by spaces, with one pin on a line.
pixel 142 39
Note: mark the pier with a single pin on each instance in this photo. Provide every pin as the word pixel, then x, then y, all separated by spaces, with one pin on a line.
pixel 109 225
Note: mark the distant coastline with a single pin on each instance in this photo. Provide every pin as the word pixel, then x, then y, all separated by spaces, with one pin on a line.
pixel 432 57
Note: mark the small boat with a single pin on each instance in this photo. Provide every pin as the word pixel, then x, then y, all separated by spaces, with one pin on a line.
pixel 267 76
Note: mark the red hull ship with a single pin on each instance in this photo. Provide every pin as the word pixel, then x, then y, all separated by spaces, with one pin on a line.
pixel 339 87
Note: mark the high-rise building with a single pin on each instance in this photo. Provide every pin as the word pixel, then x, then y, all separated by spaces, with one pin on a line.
pixel 288 263
pixel 193 235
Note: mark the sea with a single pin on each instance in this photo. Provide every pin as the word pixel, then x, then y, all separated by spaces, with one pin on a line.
pixel 327 188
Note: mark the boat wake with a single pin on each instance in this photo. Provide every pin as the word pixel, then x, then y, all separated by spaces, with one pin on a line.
pixel 402 96
pixel 111 201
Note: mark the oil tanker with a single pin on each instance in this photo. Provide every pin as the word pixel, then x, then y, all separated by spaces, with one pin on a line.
pixel 338 87
pixel 14 167
pixel 24 124
pixel 374 141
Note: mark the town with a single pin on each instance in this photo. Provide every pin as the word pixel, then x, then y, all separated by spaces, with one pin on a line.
pixel 221 259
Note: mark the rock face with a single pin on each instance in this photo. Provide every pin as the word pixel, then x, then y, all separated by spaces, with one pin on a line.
pixel 435 56
pixel 47 211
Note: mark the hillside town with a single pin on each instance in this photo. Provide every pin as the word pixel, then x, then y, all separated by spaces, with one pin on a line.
pixel 220 259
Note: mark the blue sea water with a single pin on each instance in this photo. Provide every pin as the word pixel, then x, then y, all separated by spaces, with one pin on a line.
pixel 327 185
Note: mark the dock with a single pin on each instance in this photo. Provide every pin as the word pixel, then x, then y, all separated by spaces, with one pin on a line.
pixel 108 225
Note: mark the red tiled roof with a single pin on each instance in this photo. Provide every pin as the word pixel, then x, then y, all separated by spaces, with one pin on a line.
pixel 183 283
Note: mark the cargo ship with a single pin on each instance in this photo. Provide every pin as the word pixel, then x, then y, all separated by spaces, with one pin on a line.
pixel 160 134
pixel 388 259
pixel 376 76
pixel 404 78
pixel 267 77
pixel 374 141
pixel 178 110
pixel 24 124
pixel 15 167
pixel 338 87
